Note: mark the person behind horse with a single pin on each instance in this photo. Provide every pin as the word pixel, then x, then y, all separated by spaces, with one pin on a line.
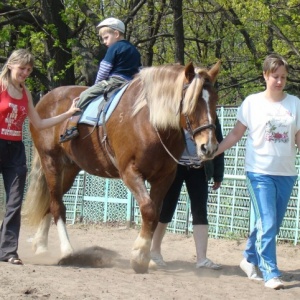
pixel 121 62
pixel 15 105
pixel 272 118
pixel 196 175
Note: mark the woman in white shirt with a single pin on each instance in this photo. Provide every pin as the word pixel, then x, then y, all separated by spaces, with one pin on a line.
pixel 272 118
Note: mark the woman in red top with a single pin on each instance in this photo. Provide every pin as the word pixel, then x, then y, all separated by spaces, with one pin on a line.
pixel 15 105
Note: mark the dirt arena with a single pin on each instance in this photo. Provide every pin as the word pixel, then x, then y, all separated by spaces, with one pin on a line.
pixel 111 276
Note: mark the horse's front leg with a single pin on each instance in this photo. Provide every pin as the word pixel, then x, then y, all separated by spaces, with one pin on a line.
pixel 150 209
pixel 140 254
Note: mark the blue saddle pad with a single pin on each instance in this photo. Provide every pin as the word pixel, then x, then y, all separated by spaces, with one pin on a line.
pixel 90 115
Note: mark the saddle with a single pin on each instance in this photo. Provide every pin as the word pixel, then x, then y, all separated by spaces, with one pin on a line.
pixel 100 109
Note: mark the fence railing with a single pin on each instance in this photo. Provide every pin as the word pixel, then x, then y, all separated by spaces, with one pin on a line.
pixel 95 199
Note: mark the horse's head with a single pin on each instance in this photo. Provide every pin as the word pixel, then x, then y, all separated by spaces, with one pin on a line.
pixel 181 97
pixel 198 108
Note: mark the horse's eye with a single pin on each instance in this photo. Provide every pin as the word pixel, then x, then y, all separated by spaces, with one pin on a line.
pixel 207 83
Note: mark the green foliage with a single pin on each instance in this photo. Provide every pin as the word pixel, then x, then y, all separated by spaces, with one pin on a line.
pixel 35 40
pixel 50 64
pixel 5 34
pixel 240 32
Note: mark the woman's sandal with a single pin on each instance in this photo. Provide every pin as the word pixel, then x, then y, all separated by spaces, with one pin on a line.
pixel 15 261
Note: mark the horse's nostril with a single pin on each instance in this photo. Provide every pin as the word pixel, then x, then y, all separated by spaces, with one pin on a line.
pixel 203 148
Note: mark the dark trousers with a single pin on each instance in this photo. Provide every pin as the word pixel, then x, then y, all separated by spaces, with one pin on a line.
pixel 197 188
pixel 13 169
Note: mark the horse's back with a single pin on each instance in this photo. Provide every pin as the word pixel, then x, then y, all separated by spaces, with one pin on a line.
pixel 54 103
pixel 58 100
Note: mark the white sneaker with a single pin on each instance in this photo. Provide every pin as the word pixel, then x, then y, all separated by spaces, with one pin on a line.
pixel 249 269
pixel 274 283
pixel 157 259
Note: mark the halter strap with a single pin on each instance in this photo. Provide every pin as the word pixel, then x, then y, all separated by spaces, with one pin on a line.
pixel 193 132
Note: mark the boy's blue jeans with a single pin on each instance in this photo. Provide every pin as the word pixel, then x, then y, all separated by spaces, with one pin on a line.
pixel 269 195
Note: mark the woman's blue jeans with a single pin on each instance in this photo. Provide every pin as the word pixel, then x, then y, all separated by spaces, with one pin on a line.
pixel 269 196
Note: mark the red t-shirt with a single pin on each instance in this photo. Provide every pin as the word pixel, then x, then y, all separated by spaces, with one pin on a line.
pixel 12 115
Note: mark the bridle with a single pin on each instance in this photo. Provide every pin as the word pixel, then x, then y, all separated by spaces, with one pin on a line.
pixel 191 131
pixel 189 128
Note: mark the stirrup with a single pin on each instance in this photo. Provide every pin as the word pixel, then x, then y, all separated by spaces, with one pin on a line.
pixel 69 135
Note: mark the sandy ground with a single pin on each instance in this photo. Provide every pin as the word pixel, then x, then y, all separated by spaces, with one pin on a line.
pixel 106 272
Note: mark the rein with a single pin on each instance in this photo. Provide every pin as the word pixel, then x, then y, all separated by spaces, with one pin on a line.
pixel 161 141
pixel 175 159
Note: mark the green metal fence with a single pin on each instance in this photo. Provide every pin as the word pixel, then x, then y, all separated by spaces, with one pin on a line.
pixel 94 199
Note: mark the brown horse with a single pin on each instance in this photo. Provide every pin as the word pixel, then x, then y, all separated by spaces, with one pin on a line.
pixel 142 141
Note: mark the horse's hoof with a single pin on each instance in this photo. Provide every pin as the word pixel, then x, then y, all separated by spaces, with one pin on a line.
pixel 140 261
pixel 40 250
pixel 66 252
pixel 139 268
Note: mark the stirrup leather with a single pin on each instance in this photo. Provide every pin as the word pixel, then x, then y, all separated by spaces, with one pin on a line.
pixel 70 134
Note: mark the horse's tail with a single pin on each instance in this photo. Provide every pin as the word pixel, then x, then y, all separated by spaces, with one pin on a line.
pixel 37 199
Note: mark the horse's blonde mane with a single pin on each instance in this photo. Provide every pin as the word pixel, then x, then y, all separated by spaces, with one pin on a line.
pixel 193 91
pixel 162 91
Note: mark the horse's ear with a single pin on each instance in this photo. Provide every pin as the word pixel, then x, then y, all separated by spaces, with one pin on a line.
pixel 214 71
pixel 189 72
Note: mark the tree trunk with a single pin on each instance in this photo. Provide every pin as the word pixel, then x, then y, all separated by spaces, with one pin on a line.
pixel 178 30
pixel 59 52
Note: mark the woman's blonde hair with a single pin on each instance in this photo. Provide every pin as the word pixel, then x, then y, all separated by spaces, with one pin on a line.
pixel 273 62
pixel 18 57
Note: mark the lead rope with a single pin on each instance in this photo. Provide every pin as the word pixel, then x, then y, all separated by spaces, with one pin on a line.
pixel 175 159
pixel 185 86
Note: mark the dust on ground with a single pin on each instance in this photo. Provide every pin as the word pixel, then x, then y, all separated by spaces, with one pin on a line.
pixel 101 269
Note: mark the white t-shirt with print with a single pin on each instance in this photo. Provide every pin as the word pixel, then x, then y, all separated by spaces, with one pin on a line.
pixel 272 127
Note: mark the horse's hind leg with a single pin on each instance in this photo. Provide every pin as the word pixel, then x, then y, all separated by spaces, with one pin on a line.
pixel 58 211
pixel 36 206
pixel 59 183
pixel 40 240
pixel 65 245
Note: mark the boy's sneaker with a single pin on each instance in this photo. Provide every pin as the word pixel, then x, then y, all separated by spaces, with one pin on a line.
pixel 249 269
pixel 274 283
